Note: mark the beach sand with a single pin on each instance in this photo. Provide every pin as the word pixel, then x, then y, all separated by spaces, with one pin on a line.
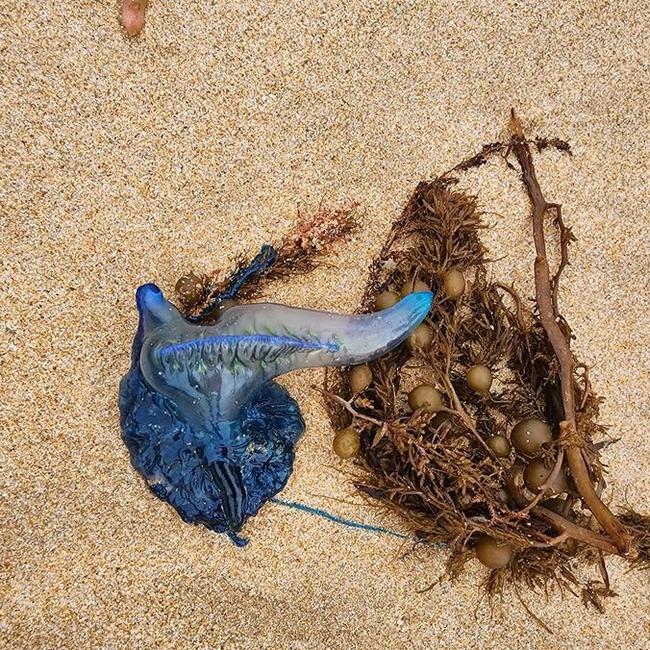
pixel 128 161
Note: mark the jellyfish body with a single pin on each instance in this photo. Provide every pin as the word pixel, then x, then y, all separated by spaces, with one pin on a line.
pixel 205 423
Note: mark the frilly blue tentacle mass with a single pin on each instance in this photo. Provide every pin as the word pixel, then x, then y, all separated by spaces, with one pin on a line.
pixel 204 422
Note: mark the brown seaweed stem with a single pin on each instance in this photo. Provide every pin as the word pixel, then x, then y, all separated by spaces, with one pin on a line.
pixel 346 405
pixel 574 531
pixel 545 296
pixel 558 521
pixel 462 413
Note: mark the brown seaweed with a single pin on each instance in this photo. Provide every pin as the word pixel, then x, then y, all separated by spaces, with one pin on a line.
pixel 435 469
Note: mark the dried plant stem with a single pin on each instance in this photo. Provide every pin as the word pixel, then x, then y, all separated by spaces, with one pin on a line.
pixel 516 299
pixel 555 541
pixel 566 236
pixel 545 290
pixel 558 521
pixel 587 385
pixel 460 411
pixel 347 406
pixel 575 532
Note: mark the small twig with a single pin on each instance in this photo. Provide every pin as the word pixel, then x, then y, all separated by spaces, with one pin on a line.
pixel 346 404
pixel 532 614
pixel 477 160
pixel 574 531
pixel 555 541
pixel 462 413
pixel 587 390
pixel 549 319
pixel 517 300
pixel 566 237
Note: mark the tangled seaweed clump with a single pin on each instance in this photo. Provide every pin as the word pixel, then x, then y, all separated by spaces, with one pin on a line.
pixel 527 505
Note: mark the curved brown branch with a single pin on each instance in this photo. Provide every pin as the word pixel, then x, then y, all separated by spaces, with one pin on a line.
pixel 575 532
pixel 558 521
pixel 549 317
pixel 517 300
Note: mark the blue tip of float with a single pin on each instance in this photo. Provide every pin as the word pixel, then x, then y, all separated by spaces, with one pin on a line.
pixel 420 302
pixel 148 294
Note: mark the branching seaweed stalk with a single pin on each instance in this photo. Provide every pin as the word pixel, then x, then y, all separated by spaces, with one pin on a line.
pixel 546 298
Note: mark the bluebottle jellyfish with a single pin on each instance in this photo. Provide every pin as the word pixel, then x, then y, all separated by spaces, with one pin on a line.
pixel 204 422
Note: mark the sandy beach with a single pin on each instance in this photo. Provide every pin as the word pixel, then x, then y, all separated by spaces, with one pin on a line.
pixel 124 161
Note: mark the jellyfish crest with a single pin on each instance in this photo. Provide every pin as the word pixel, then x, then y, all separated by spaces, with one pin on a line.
pixel 213 370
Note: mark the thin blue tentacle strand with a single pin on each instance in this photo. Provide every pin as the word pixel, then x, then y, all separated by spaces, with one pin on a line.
pixel 349 523
pixel 205 424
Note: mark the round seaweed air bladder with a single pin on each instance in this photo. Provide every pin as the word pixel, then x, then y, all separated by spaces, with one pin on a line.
pixel 206 425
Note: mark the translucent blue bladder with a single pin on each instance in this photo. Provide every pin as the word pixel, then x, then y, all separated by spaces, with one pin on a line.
pixel 205 423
